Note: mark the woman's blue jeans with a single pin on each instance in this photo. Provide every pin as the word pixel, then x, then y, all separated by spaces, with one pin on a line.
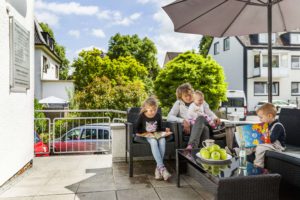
pixel 158 148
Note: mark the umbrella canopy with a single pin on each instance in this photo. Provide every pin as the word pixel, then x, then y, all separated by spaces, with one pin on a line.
pixel 221 18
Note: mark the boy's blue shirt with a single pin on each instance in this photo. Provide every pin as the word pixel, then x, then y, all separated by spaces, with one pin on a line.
pixel 278 132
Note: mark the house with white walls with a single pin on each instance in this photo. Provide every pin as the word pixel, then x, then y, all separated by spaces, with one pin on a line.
pixel 244 60
pixel 47 66
pixel 16 86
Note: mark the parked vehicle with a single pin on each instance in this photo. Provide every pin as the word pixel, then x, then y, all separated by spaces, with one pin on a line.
pixel 40 149
pixel 236 104
pixel 277 103
pixel 86 138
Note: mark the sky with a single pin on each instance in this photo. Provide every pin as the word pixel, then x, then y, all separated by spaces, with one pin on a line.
pixel 84 24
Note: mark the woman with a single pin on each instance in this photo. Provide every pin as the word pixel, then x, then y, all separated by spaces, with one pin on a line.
pixel 179 113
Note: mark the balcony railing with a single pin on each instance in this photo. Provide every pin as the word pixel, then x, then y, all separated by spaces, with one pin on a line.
pixel 277 72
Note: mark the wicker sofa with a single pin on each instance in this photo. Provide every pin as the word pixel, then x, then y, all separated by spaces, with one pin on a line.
pixel 287 163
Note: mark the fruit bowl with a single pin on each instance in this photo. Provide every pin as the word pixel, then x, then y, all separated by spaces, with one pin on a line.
pixel 212 161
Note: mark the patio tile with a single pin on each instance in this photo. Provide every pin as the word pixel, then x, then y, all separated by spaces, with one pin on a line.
pixel 17 198
pixel 22 191
pixel 109 195
pixel 175 193
pixel 170 182
pixel 137 194
pixel 137 182
pixel 55 197
pixel 198 188
pixel 53 189
pixel 96 186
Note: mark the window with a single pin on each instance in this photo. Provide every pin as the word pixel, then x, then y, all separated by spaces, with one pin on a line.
pixel 256 61
pixel 275 61
pixel 56 71
pixel 89 134
pixel 261 88
pixel 263 38
pixel 216 48
pixel 226 43
pixel 233 102
pixel 73 135
pixel 295 38
pixel 103 134
pixel 295 62
pixel 45 64
pixel 295 88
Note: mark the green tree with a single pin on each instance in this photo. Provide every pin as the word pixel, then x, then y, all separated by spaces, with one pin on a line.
pixel 60 51
pixel 205 44
pixel 40 125
pixel 102 93
pixel 143 50
pixel 90 65
pixel 202 73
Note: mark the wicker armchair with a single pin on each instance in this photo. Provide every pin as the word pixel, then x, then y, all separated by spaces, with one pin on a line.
pixel 138 146
pixel 264 187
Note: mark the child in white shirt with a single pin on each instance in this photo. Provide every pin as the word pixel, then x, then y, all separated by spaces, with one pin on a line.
pixel 197 109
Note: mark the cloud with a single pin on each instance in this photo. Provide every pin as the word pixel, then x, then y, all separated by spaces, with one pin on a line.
pixel 126 21
pixel 117 18
pixel 74 8
pixel 66 8
pixel 167 40
pixel 98 33
pixel 156 2
pixel 49 18
pixel 74 33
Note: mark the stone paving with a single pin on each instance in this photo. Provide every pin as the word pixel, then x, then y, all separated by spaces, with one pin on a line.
pixel 95 177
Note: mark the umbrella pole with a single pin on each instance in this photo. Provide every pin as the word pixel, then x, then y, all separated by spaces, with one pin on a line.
pixel 270 51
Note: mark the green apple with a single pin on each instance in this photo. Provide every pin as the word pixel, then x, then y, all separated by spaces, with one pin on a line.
pixel 223 154
pixel 215 170
pixel 205 166
pixel 215 155
pixel 205 153
pixel 214 147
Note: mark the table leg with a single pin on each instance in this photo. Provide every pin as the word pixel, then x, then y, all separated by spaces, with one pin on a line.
pixel 177 168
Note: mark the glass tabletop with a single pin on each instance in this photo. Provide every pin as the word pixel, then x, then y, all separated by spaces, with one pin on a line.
pixel 225 169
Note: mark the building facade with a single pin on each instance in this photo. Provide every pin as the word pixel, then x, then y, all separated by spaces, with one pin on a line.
pixel 245 64
pixel 47 65
pixel 16 86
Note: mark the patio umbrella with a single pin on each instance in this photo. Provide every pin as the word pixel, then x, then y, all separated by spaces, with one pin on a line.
pixel 222 18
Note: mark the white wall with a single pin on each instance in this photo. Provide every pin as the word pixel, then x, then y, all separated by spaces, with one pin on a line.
pixel 16 109
pixel 58 89
pixel 285 77
pixel 37 73
pixel 231 61
pixel 51 72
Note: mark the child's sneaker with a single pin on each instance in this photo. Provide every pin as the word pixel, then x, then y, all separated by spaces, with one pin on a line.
pixel 157 174
pixel 165 174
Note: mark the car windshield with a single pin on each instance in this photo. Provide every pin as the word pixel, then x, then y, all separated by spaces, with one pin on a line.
pixel 233 102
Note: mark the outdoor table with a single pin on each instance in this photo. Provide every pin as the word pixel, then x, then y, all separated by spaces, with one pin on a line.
pixel 228 180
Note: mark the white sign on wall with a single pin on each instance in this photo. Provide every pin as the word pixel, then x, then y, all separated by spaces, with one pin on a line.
pixel 19 57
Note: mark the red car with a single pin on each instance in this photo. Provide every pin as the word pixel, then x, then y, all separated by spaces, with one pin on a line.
pixel 40 149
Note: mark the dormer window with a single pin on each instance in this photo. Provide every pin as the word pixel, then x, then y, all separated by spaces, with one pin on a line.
pixel 295 38
pixel 263 38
